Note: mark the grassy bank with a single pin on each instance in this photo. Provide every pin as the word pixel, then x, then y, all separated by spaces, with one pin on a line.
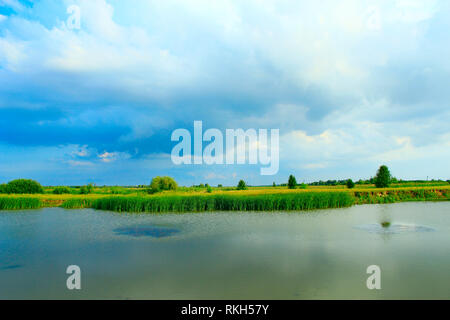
pixel 395 195
pixel 254 199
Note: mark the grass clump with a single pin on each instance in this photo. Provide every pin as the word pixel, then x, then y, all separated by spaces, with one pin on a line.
pixel 13 203
pixel 77 204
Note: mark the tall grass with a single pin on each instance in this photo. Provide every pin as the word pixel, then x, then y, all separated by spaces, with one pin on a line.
pixel 200 203
pixel 77 203
pixel 16 203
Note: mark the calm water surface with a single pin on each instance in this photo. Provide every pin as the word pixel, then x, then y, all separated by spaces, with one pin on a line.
pixel 315 255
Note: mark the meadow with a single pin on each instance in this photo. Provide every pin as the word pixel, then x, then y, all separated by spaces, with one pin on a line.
pixel 200 199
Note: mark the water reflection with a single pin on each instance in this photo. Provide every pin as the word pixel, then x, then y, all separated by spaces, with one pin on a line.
pixel 146 231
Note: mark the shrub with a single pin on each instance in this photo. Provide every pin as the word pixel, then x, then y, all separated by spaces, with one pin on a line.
pixel 87 189
pixel 242 185
pixel 209 189
pixel 350 184
pixel 162 183
pixel 61 190
pixel 3 188
pixel 24 186
pixel 383 177
pixel 292 182
pixel 303 186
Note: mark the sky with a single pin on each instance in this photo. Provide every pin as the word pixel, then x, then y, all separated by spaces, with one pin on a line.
pixel 350 85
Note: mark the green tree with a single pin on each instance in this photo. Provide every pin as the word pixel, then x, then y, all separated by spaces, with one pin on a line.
pixel 350 184
pixel 162 183
pixel 61 190
pixel 292 182
pixel 242 185
pixel 24 186
pixel 274 184
pixel 3 188
pixel 383 177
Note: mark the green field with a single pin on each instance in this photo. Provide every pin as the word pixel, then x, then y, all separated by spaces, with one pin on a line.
pixel 194 199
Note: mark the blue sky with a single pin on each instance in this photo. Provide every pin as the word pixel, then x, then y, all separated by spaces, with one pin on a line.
pixel 350 85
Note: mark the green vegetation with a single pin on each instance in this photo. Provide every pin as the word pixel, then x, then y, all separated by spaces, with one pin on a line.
pixel 402 195
pixel 292 182
pixel 166 196
pixel 77 203
pixel 61 190
pixel 242 185
pixel 87 189
pixel 10 203
pixel 200 203
pixel 22 186
pixel 385 224
pixel 350 184
pixel 383 177
pixel 159 184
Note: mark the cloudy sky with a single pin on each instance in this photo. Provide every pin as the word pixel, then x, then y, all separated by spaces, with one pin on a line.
pixel 350 85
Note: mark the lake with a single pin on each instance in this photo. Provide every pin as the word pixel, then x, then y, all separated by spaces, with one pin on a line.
pixel 320 254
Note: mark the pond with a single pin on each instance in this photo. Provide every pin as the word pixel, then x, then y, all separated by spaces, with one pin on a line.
pixel 320 254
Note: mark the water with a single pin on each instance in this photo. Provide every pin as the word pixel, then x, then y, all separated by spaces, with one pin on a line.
pixel 315 255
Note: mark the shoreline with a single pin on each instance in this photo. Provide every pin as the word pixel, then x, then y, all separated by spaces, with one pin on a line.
pixel 246 200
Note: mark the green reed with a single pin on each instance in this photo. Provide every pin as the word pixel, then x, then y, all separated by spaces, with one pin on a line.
pixel 201 203
pixel 13 203
pixel 77 203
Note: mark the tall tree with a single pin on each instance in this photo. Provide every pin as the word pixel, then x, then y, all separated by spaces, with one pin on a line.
pixel 383 177
pixel 292 182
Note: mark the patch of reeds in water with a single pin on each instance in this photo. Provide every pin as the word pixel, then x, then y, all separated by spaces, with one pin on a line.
pixel 19 203
pixel 201 203
pixel 77 203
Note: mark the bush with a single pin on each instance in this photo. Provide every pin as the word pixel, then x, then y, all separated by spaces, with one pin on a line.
pixel 350 184
pixel 292 182
pixel 209 189
pixel 3 188
pixel 242 185
pixel 61 190
pixel 303 186
pixel 162 183
pixel 23 186
pixel 87 189
pixel 383 177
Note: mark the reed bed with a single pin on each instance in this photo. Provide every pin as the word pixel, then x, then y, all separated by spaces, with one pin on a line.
pixel 19 203
pixel 201 203
pixel 77 203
